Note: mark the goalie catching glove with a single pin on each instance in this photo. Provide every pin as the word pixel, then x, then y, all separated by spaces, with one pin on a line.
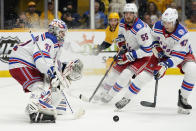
pixel 73 70
pixel 70 70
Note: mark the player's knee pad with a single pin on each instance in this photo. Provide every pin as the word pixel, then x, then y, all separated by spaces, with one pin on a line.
pixel 125 77
pixel 189 69
pixel 111 78
pixel 143 78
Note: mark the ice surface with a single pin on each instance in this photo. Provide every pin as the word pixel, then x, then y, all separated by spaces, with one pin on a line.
pixel 98 117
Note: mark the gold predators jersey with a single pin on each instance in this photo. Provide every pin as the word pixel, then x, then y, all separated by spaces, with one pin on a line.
pixel 110 36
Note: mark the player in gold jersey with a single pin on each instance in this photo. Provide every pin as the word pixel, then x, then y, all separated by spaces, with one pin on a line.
pixel 111 33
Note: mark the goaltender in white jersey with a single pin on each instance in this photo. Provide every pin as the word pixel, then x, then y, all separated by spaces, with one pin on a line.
pixel 29 62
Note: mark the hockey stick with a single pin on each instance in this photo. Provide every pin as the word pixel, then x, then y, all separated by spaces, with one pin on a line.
pixel 64 83
pixel 150 104
pixel 98 86
pixel 75 114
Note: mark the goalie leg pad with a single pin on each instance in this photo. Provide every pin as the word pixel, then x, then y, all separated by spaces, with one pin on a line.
pixel 134 88
pixel 62 107
pixel 38 115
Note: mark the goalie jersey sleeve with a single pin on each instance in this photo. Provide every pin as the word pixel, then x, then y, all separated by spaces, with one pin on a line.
pixel 175 45
pixel 138 38
pixel 49 47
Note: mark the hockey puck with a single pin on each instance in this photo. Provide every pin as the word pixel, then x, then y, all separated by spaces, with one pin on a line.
pixel 116 118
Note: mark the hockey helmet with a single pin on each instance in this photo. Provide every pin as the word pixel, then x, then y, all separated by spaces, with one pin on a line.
pixel 114 15
pixel 56 27
pixel 170 15
pixel 130 7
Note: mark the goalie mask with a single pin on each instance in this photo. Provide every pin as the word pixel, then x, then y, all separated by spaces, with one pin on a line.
pixel 58 28
pixel 73 70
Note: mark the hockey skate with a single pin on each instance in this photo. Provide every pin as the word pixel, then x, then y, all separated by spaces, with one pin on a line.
pixel 122 103
pixel 102 92
pixel 107 98
pixel 99 96
pixel 183 106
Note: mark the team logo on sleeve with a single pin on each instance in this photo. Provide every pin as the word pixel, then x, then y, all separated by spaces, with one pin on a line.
pixel 181 32
pixel 138 26
pixel 6 45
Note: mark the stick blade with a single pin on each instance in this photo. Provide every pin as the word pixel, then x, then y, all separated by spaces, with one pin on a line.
pixel 147 104
pixel 83 98
pixel 79 114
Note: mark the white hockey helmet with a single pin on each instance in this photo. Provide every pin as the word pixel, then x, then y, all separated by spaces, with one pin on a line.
pixel 130 7
pixel 170 15
pixel 56 26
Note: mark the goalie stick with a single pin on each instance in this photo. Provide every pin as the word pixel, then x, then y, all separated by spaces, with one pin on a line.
pixel 150 104
pixel 75 114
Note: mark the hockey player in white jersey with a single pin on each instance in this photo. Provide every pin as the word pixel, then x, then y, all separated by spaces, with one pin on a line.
pixel 134 38
pixel 28 67
pixel 171 48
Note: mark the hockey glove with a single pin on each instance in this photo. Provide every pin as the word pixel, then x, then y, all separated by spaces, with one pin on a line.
pixel 122 51
pixel 157 50
pixel 124 58
pixel 96 50
pixel 159 71
pixel 54 81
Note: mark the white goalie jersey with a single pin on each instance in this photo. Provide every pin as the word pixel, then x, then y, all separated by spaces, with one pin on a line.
pixel 28 55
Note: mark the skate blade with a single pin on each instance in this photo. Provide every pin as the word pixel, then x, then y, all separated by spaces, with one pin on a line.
pixel 118 110
pixel 183 111
pixel 45 121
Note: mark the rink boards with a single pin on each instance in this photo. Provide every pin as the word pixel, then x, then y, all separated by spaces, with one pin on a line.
pixel 86 39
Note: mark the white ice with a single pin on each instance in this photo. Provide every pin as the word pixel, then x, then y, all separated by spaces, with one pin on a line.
pixel 98 117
